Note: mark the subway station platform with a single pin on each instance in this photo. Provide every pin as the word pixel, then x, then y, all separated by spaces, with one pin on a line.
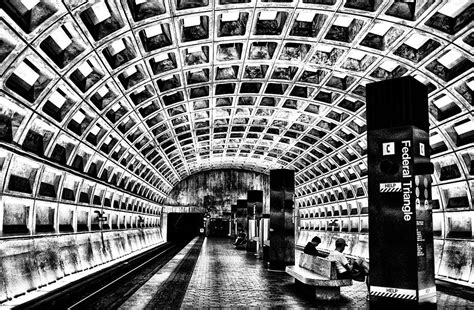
pixel 225 277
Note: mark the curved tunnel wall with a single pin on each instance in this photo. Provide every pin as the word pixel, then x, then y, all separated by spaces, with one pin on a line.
pixel 217 190
pixel 124 99
pixel 54 223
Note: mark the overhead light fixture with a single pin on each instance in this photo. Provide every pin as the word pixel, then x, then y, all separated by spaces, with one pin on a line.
pixel 381 29
pixel 85 69
pixel 26 73
pixel 160 57
pixel 306 16
pixel 57 99
pixel 268 15
pixel 194 49
pixel 153 31
pixel 104 90
pixel 61 39
pixel 470 85
pixel 454 7
pixel 95 130
pixel 101 12
pixel 192 20
pixel 450 59
pixel 29 4
pixel 357 55
pixel 389 65
pixel 78 117
pixel 416 40
pixel 130 71
pixel 230 17
pixel 343 21
pixel 464 128
pixel 325 48
pixel 116 47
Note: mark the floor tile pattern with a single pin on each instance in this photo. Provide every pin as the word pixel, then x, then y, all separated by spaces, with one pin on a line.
pixel 225 277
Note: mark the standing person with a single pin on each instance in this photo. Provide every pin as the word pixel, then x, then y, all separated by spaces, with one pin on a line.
pixel 344 268
pixel 310 247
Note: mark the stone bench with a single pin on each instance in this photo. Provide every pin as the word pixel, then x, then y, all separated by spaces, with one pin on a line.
pixel 319 275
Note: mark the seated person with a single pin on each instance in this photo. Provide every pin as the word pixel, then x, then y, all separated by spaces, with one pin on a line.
pixel 342 264
pixel 310 247
pixel 241 238
pixel 344 268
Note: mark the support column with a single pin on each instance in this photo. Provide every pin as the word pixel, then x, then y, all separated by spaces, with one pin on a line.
pixel 233 216
pixel 254 212
pixel 282 226
pixel 399 184
pixel 242 215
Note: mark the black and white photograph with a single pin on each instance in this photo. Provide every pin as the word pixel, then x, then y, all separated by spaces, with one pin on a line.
pixel 236 154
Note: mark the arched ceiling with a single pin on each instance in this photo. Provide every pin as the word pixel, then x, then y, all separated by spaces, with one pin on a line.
pixel 159 90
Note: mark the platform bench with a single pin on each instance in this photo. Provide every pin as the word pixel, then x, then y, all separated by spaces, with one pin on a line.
pixel 319 275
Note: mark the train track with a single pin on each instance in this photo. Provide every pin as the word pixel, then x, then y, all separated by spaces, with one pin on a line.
pixel 109 288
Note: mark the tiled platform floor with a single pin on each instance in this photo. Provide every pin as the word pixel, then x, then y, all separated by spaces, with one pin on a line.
pixel 228 278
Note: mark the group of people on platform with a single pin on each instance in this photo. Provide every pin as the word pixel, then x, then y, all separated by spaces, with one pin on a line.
pixel 356 269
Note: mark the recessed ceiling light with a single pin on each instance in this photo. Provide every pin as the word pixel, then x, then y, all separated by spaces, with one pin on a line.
pixel 57 99
pixel 194 49
pixel 464 128
pixel 444 103
pixel 436 139
pixel 450 59
pixel 78 117
pixel 85 69
pixel 389 65
pixel 26 73
pixel 192 20
pixel 230 16
pixel 306 16
pixel 343 21
pixel 357 55
pixel 29 4
pixel 416 40
pixel 95 130
pixel 101 12
pixel 116 47
pixel 153 31
pixel 130 71
pixel 325 48
pixel 60 37
pixel 160 57
pixel 381 28
pixel 454 7
pixel 268 15
pixel 103 91
pixel 470 85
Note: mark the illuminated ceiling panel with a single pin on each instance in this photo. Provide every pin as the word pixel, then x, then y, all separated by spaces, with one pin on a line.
pixel 163 89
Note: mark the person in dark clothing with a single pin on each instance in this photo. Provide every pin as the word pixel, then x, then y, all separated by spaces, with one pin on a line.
pixel 241 238
pixel 310 247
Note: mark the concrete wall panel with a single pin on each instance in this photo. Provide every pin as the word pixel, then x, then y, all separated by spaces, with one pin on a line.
pixel 47 260
pixel 18 265
pixel 69 255
pixel 84 249
pixel 30 263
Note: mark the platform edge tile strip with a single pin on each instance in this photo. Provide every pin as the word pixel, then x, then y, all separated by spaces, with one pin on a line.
pixel 171 294
pixel 145 293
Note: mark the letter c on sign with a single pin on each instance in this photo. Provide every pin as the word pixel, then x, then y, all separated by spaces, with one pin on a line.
pixel 388 148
